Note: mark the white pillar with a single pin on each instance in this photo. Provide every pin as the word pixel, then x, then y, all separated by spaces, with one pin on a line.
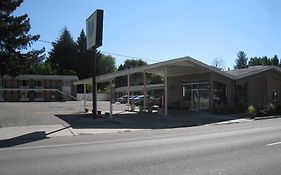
pixel 110 99
pixel 128 83
pixel 144 91
pixel 166 91
pixel 85 97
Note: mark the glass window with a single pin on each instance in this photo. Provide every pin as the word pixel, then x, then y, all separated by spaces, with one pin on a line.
pixel 24 94
pixel 24 83
pixel 39 83
pixel 275 95
pixel 39 95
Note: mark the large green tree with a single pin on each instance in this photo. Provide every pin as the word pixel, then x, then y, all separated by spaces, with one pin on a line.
pixel 14 39
pixel 63 54
pixel 241 61
pixel 84 57
pixel 255 61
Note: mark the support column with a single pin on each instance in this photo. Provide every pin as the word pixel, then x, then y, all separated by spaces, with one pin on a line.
pixel 94 86
pixel 144 91
pixel 85 97
pixel 166 91
pixel 110 99
pixel 128 92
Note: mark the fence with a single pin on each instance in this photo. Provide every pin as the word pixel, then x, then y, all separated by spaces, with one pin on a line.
pixel 89 97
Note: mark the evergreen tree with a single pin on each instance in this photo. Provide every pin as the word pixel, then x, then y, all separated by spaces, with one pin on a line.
pixel 14 38
pixel 241 61
pixel 62 56
pixel 275 60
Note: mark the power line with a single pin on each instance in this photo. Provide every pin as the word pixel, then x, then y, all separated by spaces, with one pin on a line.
pixel 110 53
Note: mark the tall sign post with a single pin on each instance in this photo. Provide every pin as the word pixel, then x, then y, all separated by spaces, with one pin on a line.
pixel 94 28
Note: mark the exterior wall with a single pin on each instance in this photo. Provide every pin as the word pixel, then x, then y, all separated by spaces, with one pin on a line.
pixel 48 95
pixel 260 86
pixel 175 91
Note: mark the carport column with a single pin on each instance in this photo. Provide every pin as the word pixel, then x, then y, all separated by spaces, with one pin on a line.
pixel 144 90
pixel 110 99
pixel 128 83
pixel 85 97
pixel 166 91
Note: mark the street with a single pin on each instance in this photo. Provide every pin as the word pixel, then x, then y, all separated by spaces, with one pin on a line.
pixel 242 148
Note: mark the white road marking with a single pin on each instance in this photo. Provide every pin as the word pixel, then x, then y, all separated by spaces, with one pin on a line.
pixel 271 144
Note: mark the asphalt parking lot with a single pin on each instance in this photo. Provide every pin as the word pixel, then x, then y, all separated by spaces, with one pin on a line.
pixel 48 119
pixel 45 113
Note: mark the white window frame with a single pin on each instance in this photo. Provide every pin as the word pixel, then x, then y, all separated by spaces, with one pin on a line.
pixel 24 86
pixel 38 87
pixel 27 98
pixel 39 99
pixel 277 97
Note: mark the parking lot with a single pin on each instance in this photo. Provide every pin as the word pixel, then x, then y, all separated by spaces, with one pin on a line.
pixel 44 113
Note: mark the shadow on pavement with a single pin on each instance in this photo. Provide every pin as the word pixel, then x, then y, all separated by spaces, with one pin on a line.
pixel 143 121
pixel 26 138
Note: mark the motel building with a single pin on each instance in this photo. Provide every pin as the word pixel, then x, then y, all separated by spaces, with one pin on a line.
pixel 195 86
pixel 29 88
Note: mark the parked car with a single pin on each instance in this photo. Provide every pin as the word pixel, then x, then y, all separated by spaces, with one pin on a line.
pixel 150 99
pixel 124 99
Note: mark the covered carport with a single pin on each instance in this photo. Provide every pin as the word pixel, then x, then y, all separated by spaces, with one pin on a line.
pixel 166 69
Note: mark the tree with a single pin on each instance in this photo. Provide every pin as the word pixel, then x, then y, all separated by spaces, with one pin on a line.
pixel 14 38
pixel 63 55
pixel 136 78
pixel 105 63
pixel 264 61
pixel 241 61
pixel 83 57
pixel 219 63
pixel 275 60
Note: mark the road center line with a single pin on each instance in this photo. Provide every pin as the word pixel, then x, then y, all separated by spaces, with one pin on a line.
pixel 271 144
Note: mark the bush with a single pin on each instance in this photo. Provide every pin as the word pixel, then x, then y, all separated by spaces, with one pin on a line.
pixel 270 109
pixel 251 112
pixel 278 109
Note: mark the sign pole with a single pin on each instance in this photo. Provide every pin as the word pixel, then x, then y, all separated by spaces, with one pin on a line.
pixel 94 29
pixel 94 85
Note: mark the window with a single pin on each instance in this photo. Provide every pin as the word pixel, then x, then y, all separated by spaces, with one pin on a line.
pixel 24 83
pixel 24 95
pixel 38 83
pixel 275 95
pixel 1 83
pixel 1 95
pixel 39 95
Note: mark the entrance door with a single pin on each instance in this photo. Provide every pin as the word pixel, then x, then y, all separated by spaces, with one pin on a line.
pixel 195 100
pixel 66 89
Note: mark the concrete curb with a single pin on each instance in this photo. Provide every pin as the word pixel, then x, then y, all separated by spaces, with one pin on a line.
pixel 268 117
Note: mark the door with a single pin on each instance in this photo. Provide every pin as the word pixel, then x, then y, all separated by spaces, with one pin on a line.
pixel 66 89
pixel 195 100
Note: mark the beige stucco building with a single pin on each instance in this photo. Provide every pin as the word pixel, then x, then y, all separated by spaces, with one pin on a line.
pixel 194 86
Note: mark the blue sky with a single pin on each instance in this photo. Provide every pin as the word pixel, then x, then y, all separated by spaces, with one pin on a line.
pixel 160 30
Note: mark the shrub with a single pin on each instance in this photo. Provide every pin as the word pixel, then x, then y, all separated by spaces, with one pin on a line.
pixel 270 109
pixel 278 109
pixel 251 112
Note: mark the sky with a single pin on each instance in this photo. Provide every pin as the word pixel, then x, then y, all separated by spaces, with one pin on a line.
pixel 161 30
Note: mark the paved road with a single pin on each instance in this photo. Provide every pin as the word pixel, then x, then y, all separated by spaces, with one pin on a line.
pixel 243 148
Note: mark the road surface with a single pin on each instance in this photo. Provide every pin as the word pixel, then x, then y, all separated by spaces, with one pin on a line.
pixel 242 148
